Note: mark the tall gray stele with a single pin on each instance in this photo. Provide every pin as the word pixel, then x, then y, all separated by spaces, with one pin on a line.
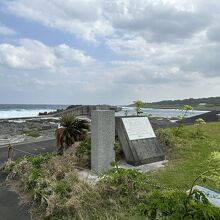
pixel 102 139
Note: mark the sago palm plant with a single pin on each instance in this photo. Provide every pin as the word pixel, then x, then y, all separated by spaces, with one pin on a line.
pixel 72 129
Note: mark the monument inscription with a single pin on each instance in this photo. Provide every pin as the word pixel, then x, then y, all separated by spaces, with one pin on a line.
pixel 138 140
pixel 138 128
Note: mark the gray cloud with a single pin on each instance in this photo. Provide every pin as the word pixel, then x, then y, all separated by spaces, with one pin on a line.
pixel 213 33
pixel 205 60
pixel 163 49
pixel 158 22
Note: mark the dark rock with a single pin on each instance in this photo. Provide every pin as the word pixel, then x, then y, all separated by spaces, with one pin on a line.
pixel 42 113
pixel 73 106
pixel 207 117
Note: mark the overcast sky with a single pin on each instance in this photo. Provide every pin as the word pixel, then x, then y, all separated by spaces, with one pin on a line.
pixel 108 51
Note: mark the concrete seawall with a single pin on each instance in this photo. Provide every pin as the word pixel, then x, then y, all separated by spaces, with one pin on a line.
pixel 85 110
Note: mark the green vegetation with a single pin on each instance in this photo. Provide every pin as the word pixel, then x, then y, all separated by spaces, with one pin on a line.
pixel 84 148
pixel 52 183
pixel 83 153
pixel 58 193
pixel 199 125
pixel 139 197
pixel 138 105
pixel 188 156
pixel 178 205
pixel 31 133
pixel 72 130
pixel 185 109
pixel 206 104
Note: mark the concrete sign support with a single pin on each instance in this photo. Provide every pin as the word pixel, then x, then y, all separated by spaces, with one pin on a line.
pixel 102 139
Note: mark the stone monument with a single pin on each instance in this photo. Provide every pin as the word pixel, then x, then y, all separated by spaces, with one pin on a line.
pixel 102 139
pixel 138 140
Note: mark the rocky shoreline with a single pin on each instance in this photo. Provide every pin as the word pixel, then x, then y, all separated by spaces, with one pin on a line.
pixel 32 129
pixel 27 129
pixel 40 128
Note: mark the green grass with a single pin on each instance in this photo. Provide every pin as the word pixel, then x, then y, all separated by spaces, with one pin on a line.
pixel 31 133
pixel 189 158
pixel 57 193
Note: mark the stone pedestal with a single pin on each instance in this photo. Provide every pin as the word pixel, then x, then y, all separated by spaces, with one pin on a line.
pixel 102 139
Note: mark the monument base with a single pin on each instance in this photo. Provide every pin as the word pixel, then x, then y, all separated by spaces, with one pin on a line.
pixel 138 140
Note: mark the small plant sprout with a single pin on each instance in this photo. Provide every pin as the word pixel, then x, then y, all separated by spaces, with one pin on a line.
pixel 84 148
pixel 185 109
pixel 138 105
pixel 199 123
pixel 117 149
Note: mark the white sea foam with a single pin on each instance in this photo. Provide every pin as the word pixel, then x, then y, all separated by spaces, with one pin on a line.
pixel 22 113
pixel 17 121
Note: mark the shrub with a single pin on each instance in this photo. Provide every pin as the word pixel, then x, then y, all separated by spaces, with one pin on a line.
pixel 122 180
pixel 63 197
pixel 83 153
pixel 84 149
pixel 118 151
pixel 199 133
pixel 126 187
pixel 72 130
pixel 38 160
pixel 133 191
pixel 178 205
pixel 166 139
pixel 138 105
pixel 28 170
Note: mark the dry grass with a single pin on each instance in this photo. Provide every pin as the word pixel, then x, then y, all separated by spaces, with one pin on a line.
pixel 56 191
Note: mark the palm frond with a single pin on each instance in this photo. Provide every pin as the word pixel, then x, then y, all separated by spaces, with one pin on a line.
pixel 73 129
pixel 67 119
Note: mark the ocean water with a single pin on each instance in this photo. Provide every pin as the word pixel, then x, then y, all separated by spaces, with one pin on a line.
pixel 21 111
pixel 168 113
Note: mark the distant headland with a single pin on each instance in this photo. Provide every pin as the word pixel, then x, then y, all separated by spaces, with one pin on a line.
pixel 206 104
